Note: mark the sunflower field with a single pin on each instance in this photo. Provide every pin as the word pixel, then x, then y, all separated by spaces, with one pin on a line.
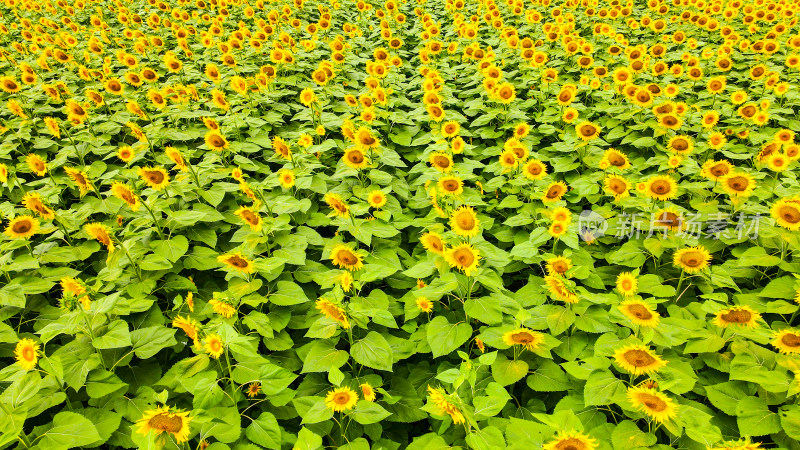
pixel 423 224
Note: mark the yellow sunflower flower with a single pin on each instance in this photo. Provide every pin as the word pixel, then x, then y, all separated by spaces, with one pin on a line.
pixel 638 359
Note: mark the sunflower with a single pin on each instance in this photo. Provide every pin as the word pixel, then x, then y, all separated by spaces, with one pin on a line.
pixel 571 441
pixel 527 339
pixel 338 206
pixel 450 185
pixel 36 164
pixel 445 404
pixel 558 229
pixel 464 222
pixel 778 162
pixel 655 404
pixel 236 261
pixel 250 217
pixel 101 233
pixel 354 157
pixel 175 156
pixel 165 420
pixel 617 186
pixel 640 313
pixel 534 169
pixel 81 179
pixel 736 315
pixel 554 192
pixel 521 130
pixel 223 306
pixel 638 359
pixel 738 184
pixel 122 192
pixel 33 201
pixel 214 345
pixel 787 341
pixel 424 304
pixel 616 159
pixel 432 242
pixel 365 139
pixel 682 145
pixel 333 311
pixel 9 85
pixel 22 227
pixel 126 153
pixel 367 392
pixel 215 140
pixel 464 257
pixel 508 160
pixel 26 353
pixel 155 177
pixel 558 266
pixel 341 399
pixel 661 187
pixel 188 326
pixel 346 258
pixel 558 288
pixel 587 130
pixel 627 284
pixel 786 213
pixel 286 178
pixel 441 162
pixel 253 389
pixel 716 170
pixel 450 129
pixel 692 259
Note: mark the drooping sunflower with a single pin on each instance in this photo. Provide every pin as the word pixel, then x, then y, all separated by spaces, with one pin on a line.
pixel 155 177
pixel 638 359
pixel 558 288
pixel 738 184
pixel 571 441
pixel 333 311
pixel 188 325
pixel 655 404
pixel 554 192
pixel 640 313
pixel 346 258
pixel 215 140
pixel 587 130
pixel 367 391
pixel 341 399
pixel 627 284
pixel 101 233
pixel 354 157
pixel 692 259
pixel 464 257
pixel 741 315
pixel 165 420
pixel 786 213
pixel 432 242
pixel 236 261
pixel 34 202
pixel 175 156
pixel 528 339
pixel 81 179
pixel 26 353
pixel 661 187
pixel 214 345
pixel 250 217
pixel 36 164
pixel 337 205
pixel 122 192
pixel 464 222
pixel 445 404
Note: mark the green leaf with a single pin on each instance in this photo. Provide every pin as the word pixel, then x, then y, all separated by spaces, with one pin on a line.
pixel 755 419
pixel 288 293
pixel 307 440
pixel 627 435
pixel 487 438
pixel 485 309
pixel 318 412
pixel 373 351
pixel 69 430
pixel 171 249
pixel 366 412
pixel 444 337
pixel 265 431
pixel 548 377
pixel 603 388
pixel 116 336
pixel 506 371
pixel 323 356
pixel 149 341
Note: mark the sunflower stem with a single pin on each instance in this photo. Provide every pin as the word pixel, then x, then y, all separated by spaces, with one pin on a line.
pixel 680 283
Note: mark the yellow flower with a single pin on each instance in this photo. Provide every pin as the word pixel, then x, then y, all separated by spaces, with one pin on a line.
pixel 253 389
pixel 27 353
pixel 653 403
pixel 450 185
pixel 523 337
pixel 445 404
pixel 36 164
pixel 627 284
pixel 692 259
pixel 432 242
pixel 333 311
pixel 787 341
pixel 534 169
pixel 101 233
pixel 214 345
pixel 559 289
pixel 341 399
pixel 376 199
pixel 165 420
pixel 367 392
pixel 441 162
pixel 188 326
pixel 638 360
pixel 464 222
pixel 122 192
pixel 450 129
pixel 250 217
pixel 22 227
pixel 587 130
pixel 640 313
pixel 126 153
pixel 346 258
pixel 236 261
pixel 215 140
pixel 424 304
pixel 356 158
pixel 554 192
pixel 617 186
pixel 33 201
pixel 464 257
pixel 738 184
pixel 741 315
pixel 175 156
pixel 661 187
pixel 155 177
pixel 81 179
pixel 558 265
pixel 786 213
pixel 223 306
pixel 338 206
pixel 571 441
